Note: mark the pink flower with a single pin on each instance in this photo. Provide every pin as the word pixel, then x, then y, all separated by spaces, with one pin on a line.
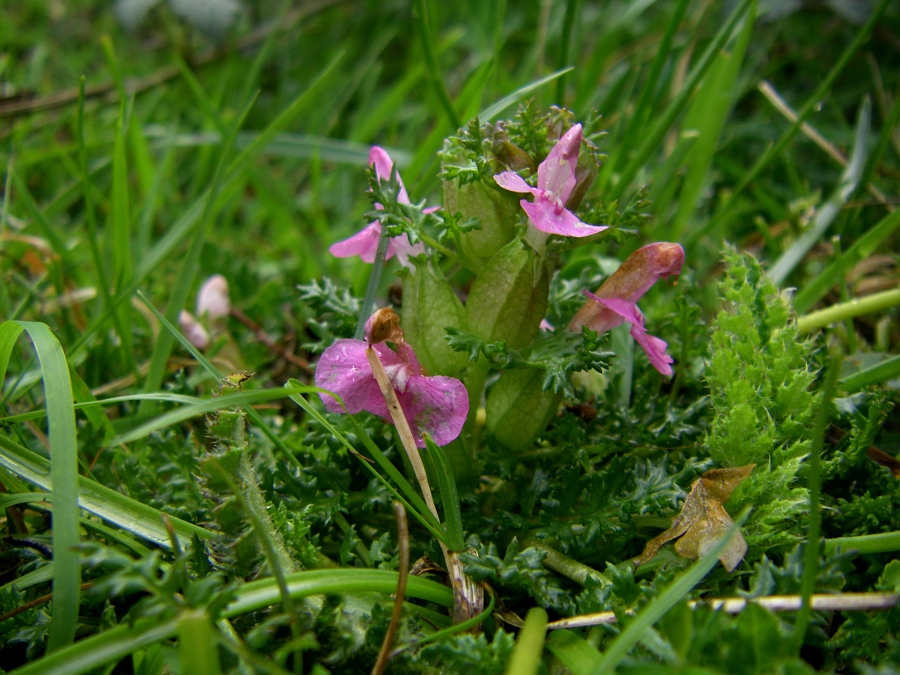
pixel 365 242
pixel 628 311
pixel 438 405
pixel 556 180
pixel 615 300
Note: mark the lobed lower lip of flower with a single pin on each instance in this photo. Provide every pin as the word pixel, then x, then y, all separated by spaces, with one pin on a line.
pixel 437 405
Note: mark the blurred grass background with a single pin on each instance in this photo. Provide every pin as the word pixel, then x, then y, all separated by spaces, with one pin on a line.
pixel 217 136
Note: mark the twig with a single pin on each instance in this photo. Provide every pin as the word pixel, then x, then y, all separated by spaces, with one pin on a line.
pixel 403 575
pixel 34 603
pixel 830 148
pixel 838 602
pixel 406 435
pixel 66 97
pixel 468 596
pixel 269 342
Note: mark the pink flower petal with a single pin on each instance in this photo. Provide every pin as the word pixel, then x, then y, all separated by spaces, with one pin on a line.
pixel 364 244
pixel 193 331
pixel 438 405
pixel 383 166
pixel 603 319
pixel 404 250
pixel 212 299
pixel 344 369
pixel 556 174
pixel 654 347
pixel 510 180
pixel 554 219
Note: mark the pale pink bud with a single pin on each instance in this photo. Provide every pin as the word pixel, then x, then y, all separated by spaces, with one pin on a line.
pixel 193 331
pixel 213 300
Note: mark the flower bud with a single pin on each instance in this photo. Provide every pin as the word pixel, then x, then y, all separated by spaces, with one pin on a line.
pixel 193 331
pixel 497 212
pixel 512 157
pixel 509 298
pixel 585 173
pixel 212 299
pixel 430 306
pixel 518 409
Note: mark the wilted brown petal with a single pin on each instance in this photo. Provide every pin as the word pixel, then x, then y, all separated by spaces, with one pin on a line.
pixel 703 520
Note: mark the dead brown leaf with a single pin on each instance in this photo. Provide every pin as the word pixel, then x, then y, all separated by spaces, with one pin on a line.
pixel 703 520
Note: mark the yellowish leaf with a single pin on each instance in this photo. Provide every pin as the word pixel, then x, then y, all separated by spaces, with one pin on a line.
pixel 703 520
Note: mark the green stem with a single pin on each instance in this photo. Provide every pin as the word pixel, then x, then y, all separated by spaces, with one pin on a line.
pixel 372 289
pixel 262 527
pixel 526 655
pixel 845 296
pixel 883 542
pixel 444 251
pixel 198 643
pixel 568 567
pixel 254 500
pixel 814 482
pixel 474 381
pixel 848 310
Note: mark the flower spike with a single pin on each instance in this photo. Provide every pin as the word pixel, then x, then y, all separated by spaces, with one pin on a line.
pixel 556 181
pixel 365 242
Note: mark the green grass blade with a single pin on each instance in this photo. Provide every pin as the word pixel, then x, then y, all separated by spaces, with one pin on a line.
pixel 648 94
pixel 707 114
pixel 662 603
pixel 655 136
pixel 506 102
pixel 301 104
pixel 426 39
pixel 818 95
pixel 63 472
pixel 118 227
pixel 198 643
pixel 189 266
pixel 263 593
pixel 449 495
pixel 24 498
pixel 576 653
pixel 129 514
pixel 116 643
pixel 830 210
pixel 884 371
pixel 865 246
pixel 526 655
pixel 565 41
pixel 205 406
